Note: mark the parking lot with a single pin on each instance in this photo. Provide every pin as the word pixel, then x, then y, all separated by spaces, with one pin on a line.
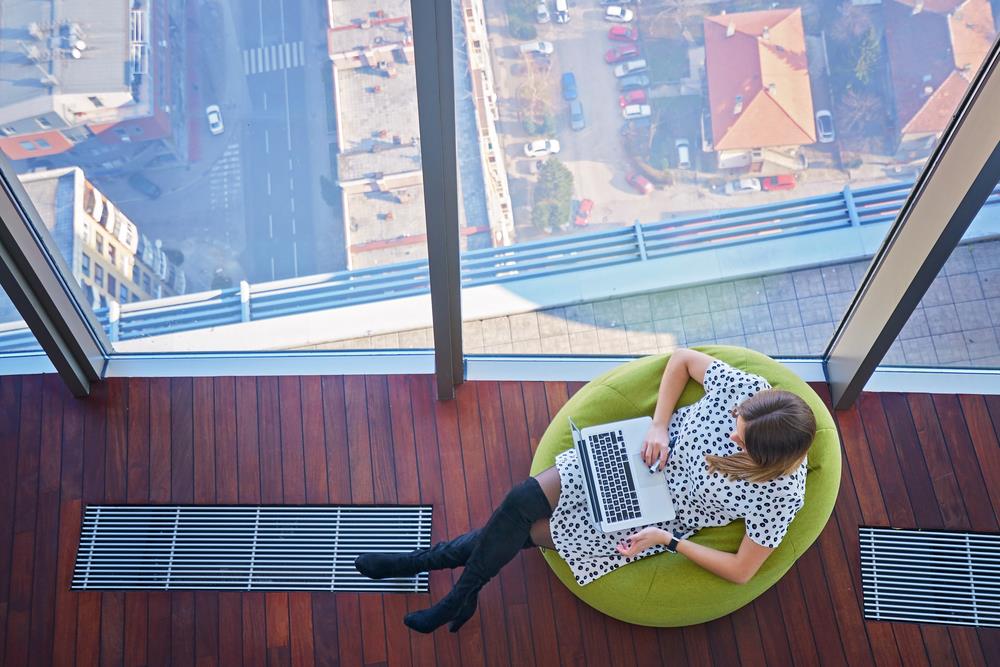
pixel 596 155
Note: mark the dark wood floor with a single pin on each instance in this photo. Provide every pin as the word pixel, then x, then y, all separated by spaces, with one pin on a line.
pixel 912 461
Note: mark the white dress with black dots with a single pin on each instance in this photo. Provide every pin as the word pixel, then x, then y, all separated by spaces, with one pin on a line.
pixel 701 498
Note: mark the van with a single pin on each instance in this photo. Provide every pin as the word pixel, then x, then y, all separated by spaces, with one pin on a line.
pixel 562 12
pixel 683 154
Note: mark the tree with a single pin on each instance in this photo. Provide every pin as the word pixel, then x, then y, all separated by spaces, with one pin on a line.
pixel 857 108
pixel 869 51
pixel 553 195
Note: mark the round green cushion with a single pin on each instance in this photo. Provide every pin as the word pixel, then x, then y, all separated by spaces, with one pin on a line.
pixel 667 589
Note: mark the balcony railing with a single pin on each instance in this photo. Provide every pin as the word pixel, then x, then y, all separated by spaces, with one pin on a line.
pixel 579 252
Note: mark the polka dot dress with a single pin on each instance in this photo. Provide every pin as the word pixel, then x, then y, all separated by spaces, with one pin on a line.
pixel 701 498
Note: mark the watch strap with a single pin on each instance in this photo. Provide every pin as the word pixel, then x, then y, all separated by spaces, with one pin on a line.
pixel 672 545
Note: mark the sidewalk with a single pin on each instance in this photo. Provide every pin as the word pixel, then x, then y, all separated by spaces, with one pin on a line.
pixel 782 314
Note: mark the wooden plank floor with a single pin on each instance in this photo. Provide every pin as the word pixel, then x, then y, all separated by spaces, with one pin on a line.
pixel 911 461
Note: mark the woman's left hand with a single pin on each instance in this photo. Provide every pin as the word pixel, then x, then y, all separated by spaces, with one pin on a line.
pixel 644 539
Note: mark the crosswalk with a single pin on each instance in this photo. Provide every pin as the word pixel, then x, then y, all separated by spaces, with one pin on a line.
pixel 273 57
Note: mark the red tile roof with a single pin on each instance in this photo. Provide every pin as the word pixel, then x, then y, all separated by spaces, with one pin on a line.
pixel 763 63
pixel 933 54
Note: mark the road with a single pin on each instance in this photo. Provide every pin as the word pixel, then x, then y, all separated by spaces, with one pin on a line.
pixel 278 184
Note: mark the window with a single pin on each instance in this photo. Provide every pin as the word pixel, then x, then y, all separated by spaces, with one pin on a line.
pixel 9 131
pixel 99 275
pixel 123 293
pixel 147 284
pixel 27 145
pixel 112 285
pixel 96 101
pixel 42 143
pixel 136 271
pixel 43 122
pixel 85 264
pixel 112 255
pixel 99 243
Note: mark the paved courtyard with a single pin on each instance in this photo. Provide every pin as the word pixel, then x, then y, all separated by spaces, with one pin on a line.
pixel 785 314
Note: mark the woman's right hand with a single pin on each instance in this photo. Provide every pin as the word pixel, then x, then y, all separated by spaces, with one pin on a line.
pixel 655 446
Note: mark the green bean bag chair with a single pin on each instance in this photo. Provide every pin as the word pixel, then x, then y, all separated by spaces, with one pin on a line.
pixel 668 590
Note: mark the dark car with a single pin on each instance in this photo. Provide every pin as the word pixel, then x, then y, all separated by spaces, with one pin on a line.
pixel 633 81
pixel 569 86
pixel 145 186
pixel 576 119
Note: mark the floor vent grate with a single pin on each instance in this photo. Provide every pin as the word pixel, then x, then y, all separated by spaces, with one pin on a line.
pixel 244 548
pixel 931 576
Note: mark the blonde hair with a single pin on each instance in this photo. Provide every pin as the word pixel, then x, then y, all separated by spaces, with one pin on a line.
pixel 780 426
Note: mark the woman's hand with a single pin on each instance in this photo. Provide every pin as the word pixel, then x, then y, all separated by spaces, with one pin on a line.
pixel 644 539
pixel 656 447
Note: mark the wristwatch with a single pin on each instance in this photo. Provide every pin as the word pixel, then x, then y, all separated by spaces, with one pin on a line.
pixel 672 544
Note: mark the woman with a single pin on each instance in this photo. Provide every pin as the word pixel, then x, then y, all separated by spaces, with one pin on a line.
pixel 739 452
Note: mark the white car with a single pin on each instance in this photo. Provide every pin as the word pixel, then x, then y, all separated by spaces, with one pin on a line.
pixel 630 67
pixel 541 48
pixel 636 111
pixel 542 13
pixel 742 185
pixel 214 114
pixel 618 14
pixel 824 126
pixel 541 148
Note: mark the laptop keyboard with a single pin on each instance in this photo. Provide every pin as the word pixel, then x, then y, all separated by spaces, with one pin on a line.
pixel 614 476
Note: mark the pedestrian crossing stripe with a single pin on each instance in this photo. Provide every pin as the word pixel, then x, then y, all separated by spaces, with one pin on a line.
pixel 273 57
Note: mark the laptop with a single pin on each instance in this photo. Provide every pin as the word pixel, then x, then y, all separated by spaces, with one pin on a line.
pixel 623 493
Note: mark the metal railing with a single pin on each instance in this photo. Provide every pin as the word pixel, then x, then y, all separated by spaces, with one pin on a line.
pixel 579 252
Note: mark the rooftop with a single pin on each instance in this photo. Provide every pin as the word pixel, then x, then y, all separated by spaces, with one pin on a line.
pixel 386 226
pixel 75 46
pixel 53 194
pixel 758 80
pixel 928 82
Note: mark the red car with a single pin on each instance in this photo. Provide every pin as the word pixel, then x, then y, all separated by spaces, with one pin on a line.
pixel 640 183
pixel 780 182
pixel 623 33
pixel 583 213
pixel 620 53
pixel 637 96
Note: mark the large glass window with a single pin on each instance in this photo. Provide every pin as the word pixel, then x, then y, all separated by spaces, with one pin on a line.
pixel 643 176
pixel 14 334
pixel 247 175
pixel 957 323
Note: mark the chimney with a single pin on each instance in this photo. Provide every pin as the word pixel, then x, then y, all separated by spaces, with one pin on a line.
pixel 918 6
pixel 928 91
pixel 738 106
pixel 772 88
pixel 765 34
pixel 730 29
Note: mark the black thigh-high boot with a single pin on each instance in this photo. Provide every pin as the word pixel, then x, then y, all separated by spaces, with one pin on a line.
pixel 506 533
pixel 441 556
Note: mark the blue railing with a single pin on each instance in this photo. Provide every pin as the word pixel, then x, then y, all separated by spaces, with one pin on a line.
pixel 579 252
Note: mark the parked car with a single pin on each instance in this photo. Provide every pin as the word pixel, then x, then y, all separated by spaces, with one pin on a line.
pixel 640 183
pixel 618 14
pixel 541 147
pixel 540 48
pixel 824 126
pixel 637 96
pixel 636 111
pixel 569 86
pixel 623 33
pixel 620 53
pixel 683 147
pixel 562 12
pixel 605 3
pixel 630 67
pixel 145 186
pixel 633 81
pixel 779 182
pixel 576 119
pixel 542 13
pixel 742 185
pixel 214 114
pixel 582 216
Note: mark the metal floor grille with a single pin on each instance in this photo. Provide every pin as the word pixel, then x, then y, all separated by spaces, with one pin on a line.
pixel 244 548
pixel 931 576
